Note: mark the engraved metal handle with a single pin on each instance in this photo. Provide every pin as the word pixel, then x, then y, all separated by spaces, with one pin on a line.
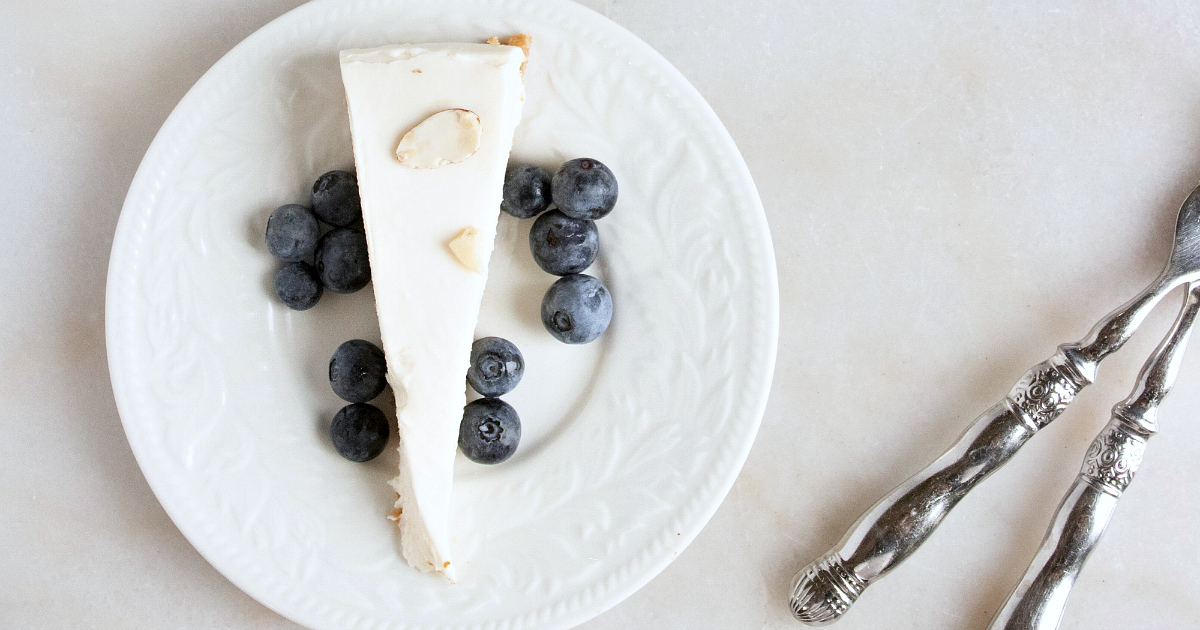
pixel 900 522
pixel 1108 468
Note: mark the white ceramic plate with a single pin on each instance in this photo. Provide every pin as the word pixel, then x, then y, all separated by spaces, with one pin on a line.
pixel 630 443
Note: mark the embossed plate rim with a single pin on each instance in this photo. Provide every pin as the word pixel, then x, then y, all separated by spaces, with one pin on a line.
pixel 131 397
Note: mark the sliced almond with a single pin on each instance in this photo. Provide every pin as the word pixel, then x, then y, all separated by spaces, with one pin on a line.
pixel 447 137
pixel 469 249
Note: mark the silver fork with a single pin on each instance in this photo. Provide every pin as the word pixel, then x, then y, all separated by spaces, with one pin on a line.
pixel 900 522
pixel 1108 468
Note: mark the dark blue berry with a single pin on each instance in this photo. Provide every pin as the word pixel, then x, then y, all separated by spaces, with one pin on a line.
pixel 335 198
pixel 357 371
pixel 496 366
pixel 297 286
pixel 359 432
pixel 561 245
pixel 342 262
pixel 526 190
pixel 584 189
pixel 490 431
pixel 292 233
pixel 576 309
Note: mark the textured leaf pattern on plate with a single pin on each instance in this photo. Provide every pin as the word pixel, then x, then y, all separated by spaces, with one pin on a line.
pixel 221 388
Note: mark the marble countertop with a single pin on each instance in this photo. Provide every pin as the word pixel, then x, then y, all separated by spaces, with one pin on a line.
pixel 953 189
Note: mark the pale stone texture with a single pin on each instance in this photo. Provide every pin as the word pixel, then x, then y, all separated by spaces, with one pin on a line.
pixel 953 189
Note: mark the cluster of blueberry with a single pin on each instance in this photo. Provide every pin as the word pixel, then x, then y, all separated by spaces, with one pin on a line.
pixel 490 428
pixel 358 374
pixel 339 256
pixel 577 308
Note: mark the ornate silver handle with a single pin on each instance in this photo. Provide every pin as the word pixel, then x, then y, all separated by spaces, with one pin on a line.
pixel 1108 468
pixel 900 522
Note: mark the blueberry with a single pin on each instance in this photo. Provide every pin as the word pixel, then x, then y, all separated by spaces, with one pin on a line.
pixel 359 432
pixel 292 233
pixel 584 189
pixel 297 286
pixel 496 366
pixel 335 198
pixel 576 309
pixel 562 245
pixel 357 371
pixel 526 190
pixel 342 262
pixel 490 431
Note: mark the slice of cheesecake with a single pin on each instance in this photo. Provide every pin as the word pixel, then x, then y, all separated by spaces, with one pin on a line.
pixel 432 128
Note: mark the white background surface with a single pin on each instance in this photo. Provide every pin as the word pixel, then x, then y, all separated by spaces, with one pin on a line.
pixel 952 190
